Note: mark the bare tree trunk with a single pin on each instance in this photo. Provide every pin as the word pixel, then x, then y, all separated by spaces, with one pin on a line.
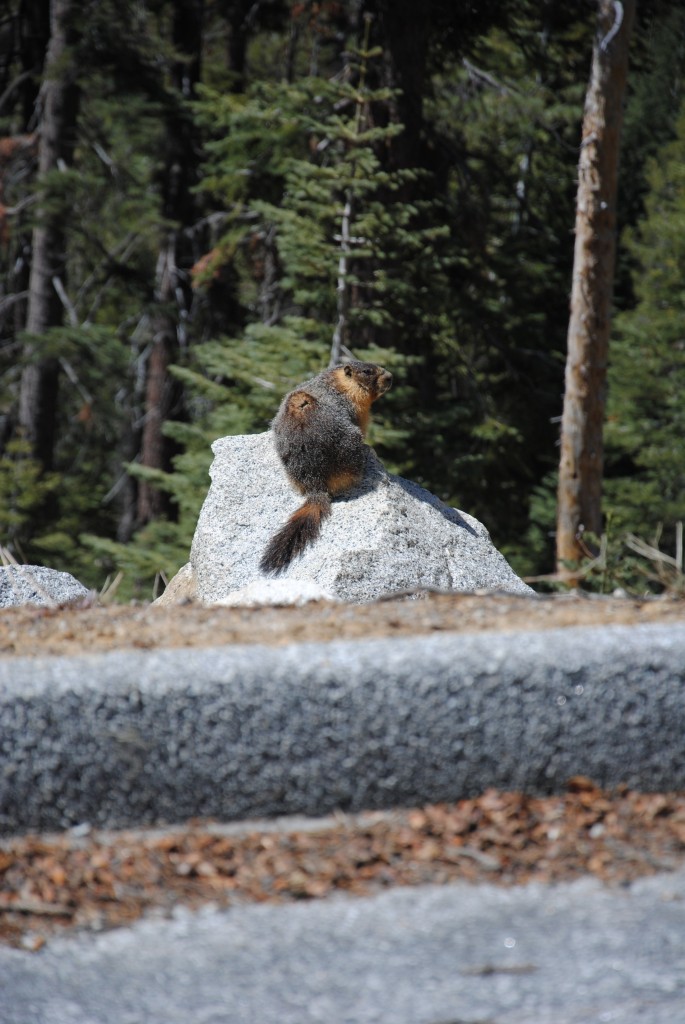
pixel 581 464
pixel 341 332
pixel 161 391
pixel 239 15
pixel 57 129
pixel 339 343
pixel 405 27
pixel 159 388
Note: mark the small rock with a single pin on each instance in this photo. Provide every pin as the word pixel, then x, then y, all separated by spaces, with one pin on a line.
pixel 181 588
pixel 35 584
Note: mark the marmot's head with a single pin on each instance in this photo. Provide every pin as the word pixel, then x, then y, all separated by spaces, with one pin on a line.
pixel 371 378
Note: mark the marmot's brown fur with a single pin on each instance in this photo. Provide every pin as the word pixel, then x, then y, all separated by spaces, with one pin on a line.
pixel 319 433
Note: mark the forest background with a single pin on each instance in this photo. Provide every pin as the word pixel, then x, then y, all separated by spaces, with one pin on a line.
pixel 199 201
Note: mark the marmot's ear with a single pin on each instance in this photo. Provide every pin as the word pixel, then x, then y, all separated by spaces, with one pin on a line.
pixel 348 370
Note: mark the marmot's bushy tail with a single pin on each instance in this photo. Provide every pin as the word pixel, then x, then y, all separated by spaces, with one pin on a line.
pixel 301 529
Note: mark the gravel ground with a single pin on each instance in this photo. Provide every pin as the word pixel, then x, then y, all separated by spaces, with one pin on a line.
pixel 87 629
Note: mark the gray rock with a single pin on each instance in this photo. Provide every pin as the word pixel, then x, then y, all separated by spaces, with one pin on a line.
pixel 276 592
pixel 34 584
pixel 386 535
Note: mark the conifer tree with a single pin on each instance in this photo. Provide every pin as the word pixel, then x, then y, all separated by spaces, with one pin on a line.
pixel 46 295
pixel 646 421
pixel 101 196
pixel 423 208
pixel 175 257
pixel 317 228
pixel 508 114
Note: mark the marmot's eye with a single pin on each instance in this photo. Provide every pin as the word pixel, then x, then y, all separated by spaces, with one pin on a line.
pixel 348 371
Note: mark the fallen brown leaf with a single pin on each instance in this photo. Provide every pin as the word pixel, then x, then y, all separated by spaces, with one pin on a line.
pixel 103 880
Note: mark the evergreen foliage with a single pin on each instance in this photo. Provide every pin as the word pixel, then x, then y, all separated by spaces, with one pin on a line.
pixel 109 201
pixel 513 108
pixel 654 97
pixel 645 484
pixel 656 93
pixel 413 204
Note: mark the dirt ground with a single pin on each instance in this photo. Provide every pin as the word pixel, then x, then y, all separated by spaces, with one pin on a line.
pixel 84 879
pixel 32 631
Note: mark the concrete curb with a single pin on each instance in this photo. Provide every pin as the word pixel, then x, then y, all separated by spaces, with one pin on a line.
pixel 132 738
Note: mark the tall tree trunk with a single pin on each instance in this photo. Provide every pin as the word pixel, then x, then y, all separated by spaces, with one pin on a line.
pixel 581 464
pixel 34 33
pixel 239 16
pixel 160 389
pixel 57 130
pixel 404 27
pixel 174 260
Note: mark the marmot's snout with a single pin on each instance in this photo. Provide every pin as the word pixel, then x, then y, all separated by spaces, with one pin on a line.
pixel 384 381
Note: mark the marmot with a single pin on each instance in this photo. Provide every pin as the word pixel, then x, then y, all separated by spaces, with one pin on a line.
pixel 319 433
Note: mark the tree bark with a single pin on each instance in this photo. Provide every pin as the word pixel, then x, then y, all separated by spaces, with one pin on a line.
pixel 34 33
pixel 239 15
pixel 581 464
pixel 155 449
pixel 175 259
pixel 57 130
pixel 405 28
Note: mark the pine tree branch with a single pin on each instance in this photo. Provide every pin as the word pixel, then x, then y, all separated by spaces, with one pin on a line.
pixel 488 79
pixel 65 300
pixel 11 299
pixel 13 86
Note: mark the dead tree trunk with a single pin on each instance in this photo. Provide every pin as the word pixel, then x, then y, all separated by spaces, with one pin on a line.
pixel 155 447
pixel 57 129
pixel 581 463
